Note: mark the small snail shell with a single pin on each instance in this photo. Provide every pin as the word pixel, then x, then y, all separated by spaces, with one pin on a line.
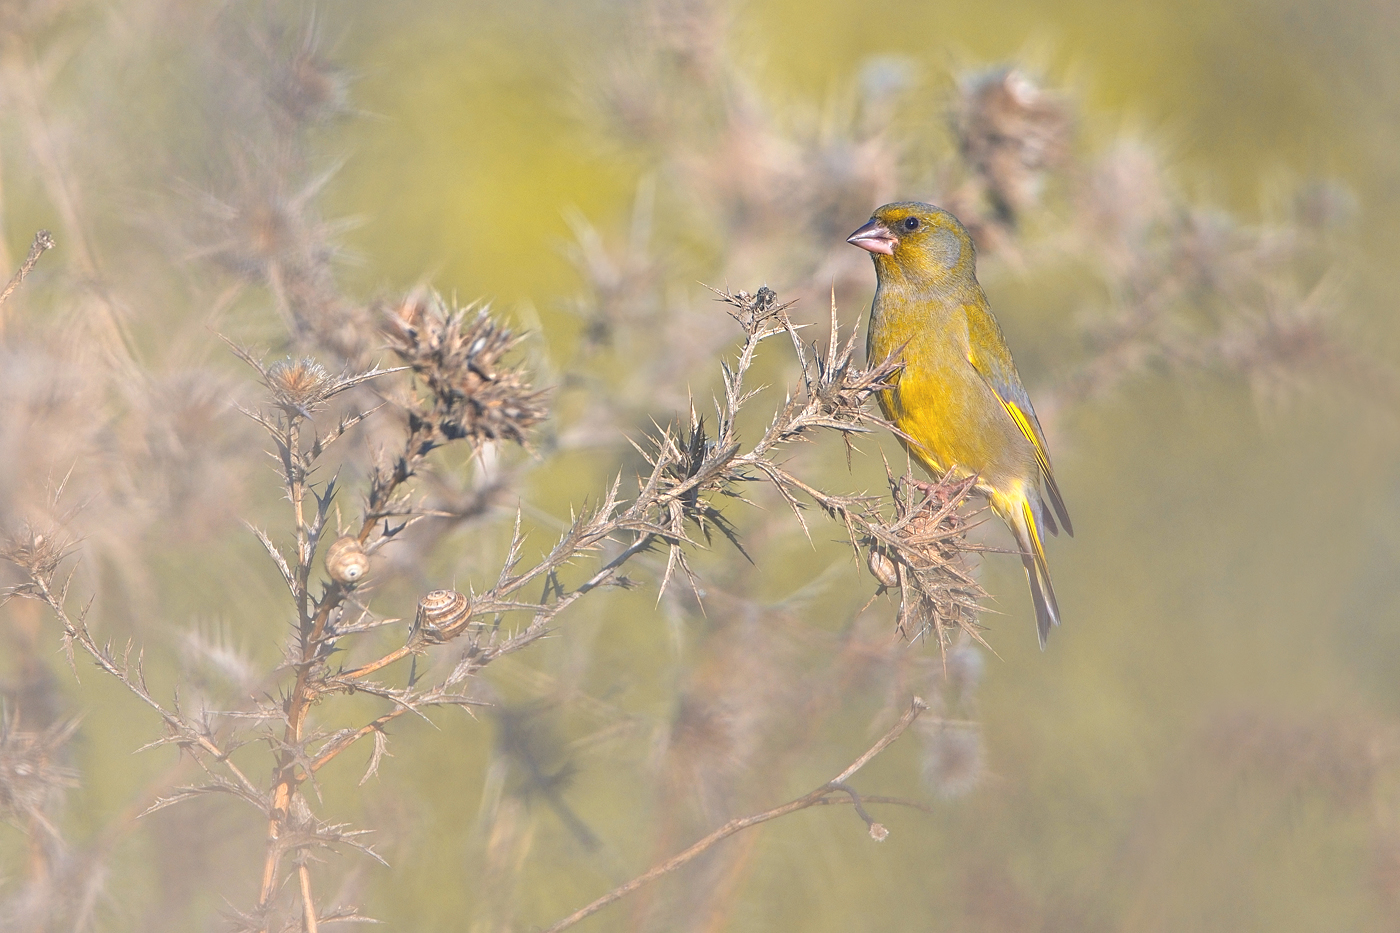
pixel 442 614
pixel 346 560
pixel 883 569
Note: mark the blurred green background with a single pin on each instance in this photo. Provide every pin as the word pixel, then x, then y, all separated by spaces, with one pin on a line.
pixel 1210 741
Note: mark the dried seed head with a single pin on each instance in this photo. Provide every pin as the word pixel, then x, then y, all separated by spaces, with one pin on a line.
pixel 256 228
pixel 442 614
pixel 753 311
pixel 299 385
pixel 29 773
pixel 346 560
pixel 309 87
pixel 478 396
pixel 35 552
pixel 1011 131
pixel 402 320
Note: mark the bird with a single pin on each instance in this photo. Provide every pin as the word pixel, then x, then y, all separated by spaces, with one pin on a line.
pixel 957 400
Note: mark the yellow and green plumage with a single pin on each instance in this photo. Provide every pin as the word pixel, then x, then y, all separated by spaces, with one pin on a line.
pixel 958 399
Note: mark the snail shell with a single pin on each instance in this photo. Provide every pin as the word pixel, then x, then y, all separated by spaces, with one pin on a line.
pixel 442 614
pixel 883 569
pixel 346 560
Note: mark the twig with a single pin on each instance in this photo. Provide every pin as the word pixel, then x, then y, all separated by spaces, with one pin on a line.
pixel 817 797
pixel 43 240
pixel 308 903
pixel 689 466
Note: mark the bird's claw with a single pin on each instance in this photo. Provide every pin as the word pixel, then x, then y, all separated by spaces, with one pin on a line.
pixel 943 491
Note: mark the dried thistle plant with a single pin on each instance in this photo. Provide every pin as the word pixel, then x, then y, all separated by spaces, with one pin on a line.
pixel 468 393
pixel 921 553
pixel 458 356
pixel 31 772
pixel 1011 134
pixel 34 779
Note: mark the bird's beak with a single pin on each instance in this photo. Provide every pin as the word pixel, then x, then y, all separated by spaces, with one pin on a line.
pixel 875 237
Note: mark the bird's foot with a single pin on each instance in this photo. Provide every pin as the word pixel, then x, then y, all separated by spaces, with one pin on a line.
pixel 946 490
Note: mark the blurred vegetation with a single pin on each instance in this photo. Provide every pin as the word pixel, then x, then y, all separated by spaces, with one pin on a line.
pixel 1187 217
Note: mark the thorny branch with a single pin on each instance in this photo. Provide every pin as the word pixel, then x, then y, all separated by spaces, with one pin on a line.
pixel 822 795
pixel 456 361
pixel 465 392
pixel 43 240
pixel 40 556
pixel 689 467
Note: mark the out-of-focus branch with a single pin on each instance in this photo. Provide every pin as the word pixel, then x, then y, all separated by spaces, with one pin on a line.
pixel 39 556
pixel 43 240
pixel 818 797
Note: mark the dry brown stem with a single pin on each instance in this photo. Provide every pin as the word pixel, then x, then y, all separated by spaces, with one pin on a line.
pixel 43 240
pixel 471 396
pixel 818 797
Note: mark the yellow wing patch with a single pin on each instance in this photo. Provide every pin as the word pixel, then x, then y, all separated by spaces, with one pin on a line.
pixel 1024 424
pixel 1041 458
pixel 1032 532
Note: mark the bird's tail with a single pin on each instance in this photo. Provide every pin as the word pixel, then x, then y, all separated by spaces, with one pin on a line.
pixel 1021 510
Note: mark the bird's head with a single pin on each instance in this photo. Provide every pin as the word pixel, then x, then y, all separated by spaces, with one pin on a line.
pixel 916 240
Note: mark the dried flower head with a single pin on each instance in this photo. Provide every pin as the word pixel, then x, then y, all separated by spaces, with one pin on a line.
pixel 37 553
pixel 458 354
pixel 300 387
pixel 624 294
pixel 299 384
pixel 1010 131
pixel 258 227
pixel 304 84
pixel 29 772
pixel 1289 346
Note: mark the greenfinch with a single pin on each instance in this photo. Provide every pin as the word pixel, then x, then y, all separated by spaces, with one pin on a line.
pixel 958 401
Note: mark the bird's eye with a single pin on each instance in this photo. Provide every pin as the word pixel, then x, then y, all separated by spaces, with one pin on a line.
pixel 911 223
